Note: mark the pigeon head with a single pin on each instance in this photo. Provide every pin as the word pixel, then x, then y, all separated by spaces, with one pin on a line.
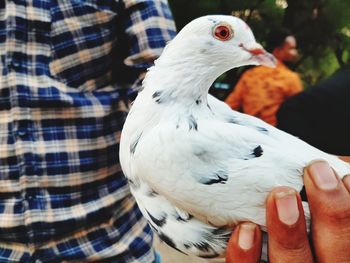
pixel 202 51
pixel 223 41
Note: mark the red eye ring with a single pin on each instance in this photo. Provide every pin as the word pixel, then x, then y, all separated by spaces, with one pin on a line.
pixel 223 32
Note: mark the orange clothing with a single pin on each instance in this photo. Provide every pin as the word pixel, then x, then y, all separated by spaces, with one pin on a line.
pixel 261 91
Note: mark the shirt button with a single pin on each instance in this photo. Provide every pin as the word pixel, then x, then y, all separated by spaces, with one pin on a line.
pixel 31 27
pixel 14 65
pixel 33 197
pixel 22 133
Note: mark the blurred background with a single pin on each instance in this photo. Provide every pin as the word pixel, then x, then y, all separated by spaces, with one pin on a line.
pixel 322 29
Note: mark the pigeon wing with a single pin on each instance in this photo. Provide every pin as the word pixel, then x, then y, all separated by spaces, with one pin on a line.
pixel 219 172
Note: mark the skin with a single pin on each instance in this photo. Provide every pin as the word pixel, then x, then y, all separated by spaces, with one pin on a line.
pixel 345 158
pixel 329 201
pixel 287 52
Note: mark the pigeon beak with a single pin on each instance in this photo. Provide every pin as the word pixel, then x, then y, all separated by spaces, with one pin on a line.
pixel 260 55
pixel 265 58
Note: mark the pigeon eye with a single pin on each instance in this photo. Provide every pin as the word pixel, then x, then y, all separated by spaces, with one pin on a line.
pixel 223 32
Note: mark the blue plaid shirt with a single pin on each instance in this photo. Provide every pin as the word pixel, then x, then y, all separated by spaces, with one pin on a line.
pixel 64 66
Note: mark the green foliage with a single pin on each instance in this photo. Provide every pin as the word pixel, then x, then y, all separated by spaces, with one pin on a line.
pixel 322 28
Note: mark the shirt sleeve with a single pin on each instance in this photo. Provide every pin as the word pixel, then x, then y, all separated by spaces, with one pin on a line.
pixel 299 115
pixel 295 87
pixel 148 27
pixel 317 114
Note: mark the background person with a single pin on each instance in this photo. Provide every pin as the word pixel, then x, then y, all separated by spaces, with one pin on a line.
pixel 261 90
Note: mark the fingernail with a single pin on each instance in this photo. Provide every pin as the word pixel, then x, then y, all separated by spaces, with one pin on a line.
pixel 246 235
pixel 323 176
pixel 287 207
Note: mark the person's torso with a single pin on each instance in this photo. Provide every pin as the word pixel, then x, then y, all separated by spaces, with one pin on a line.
pixel 60 117
pixel 266 88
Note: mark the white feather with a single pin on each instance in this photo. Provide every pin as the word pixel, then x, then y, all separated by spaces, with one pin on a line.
pixel 196 167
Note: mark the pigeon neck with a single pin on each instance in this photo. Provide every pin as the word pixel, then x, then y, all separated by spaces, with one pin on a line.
pixel 180 81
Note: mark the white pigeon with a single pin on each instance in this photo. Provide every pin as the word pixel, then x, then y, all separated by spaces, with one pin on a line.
pixel 195 167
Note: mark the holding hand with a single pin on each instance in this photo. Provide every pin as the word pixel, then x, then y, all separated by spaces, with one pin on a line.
pixel 329 201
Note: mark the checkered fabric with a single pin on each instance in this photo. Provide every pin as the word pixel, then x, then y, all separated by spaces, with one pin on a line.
pixel 64 66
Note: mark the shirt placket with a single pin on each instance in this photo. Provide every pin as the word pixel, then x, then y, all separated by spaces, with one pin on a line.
pixel 23 127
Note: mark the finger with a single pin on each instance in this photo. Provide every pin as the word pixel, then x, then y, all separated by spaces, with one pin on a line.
pixel 287 241
pixel 329 202
pixel 245 244
pixel 346 181
pixel 345 158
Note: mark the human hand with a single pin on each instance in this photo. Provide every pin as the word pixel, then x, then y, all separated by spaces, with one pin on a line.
pixel 345 158
pixel 329 201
